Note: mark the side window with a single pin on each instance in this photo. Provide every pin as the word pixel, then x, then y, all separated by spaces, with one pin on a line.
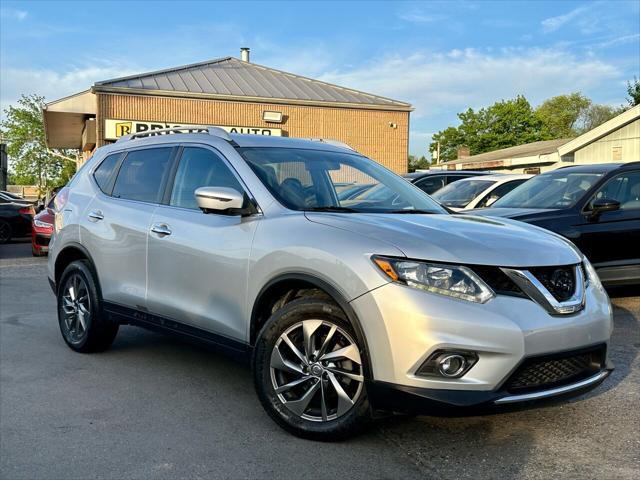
pixel 499 192
pixel 141 174
pixel 430 185
pixel 104 173
pixel 455 178
pixel 625 188
pixel 200 167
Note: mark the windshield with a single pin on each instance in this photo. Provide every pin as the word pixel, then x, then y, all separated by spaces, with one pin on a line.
pixel 311 179
pixel 559 189
pixel 459 194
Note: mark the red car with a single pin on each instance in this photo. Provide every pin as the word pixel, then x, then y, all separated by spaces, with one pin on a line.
pixel 41 230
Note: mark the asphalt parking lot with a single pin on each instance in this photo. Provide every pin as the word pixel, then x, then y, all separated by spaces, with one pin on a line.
pixel 157 407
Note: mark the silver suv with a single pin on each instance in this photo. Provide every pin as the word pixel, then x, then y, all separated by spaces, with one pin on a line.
pixel 346 308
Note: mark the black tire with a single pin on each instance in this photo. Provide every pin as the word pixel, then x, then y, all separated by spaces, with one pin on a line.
pixel 94 333
pixel 345 425
pixel 5 232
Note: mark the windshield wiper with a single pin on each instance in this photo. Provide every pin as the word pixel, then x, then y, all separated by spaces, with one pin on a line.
pixel 330 208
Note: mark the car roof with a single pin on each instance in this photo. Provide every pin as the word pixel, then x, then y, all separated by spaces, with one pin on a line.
pixel 500 177
pixel 595 168
pixel 239 140
pixel 445 172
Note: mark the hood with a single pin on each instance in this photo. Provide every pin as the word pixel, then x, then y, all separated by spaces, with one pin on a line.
pixel 510 212
pixel 458 238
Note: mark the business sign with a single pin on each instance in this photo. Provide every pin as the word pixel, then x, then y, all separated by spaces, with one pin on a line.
pixel 114 129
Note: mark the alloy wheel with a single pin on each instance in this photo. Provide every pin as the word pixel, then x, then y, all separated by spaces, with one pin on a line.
pixel 316 370
pixel 76 306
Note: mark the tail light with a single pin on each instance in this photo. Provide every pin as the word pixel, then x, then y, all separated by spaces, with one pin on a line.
pixel 27 211
pixel 61 199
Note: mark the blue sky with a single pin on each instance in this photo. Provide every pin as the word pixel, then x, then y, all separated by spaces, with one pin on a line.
pixel 442 56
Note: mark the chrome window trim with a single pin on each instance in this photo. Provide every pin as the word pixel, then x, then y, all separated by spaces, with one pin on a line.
pixel 535 290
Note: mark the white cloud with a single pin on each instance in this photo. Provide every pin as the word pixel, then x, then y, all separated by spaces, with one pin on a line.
pixel 451 81
pixel 439 85
pixel 420 17
pixel 13 14
pixel 552 24
pixel 52 84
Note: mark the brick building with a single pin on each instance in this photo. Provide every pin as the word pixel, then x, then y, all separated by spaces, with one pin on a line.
pixel 237 95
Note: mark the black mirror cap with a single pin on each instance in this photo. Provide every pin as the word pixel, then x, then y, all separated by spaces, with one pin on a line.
pixel 605 205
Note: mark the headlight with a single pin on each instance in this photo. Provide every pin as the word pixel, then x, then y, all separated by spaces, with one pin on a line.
pixel 41 224
pixel 451 280
pixel 592 275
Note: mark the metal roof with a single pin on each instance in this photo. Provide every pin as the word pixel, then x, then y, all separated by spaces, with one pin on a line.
pixel 528 149
pixel 231 78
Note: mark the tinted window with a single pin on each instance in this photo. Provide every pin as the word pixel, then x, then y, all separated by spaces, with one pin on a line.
pixel 104 173
pixel 200 168
pixel 431 184
pixel 624 188
pixel 558 189
pixel 140 176
pixel 460 194
pixel 500 192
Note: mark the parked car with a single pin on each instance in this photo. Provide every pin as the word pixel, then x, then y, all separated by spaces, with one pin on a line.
pixel 597 207
pixel 12 197
pixel 477 192
pixel 240 240
pixel 42 229
pixel 434 180
pixel 15 220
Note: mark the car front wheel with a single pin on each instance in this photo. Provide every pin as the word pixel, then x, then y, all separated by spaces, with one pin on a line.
pixel 309 371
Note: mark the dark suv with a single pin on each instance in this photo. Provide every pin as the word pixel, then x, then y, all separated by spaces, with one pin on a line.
pixel 432 181
pixel 597 207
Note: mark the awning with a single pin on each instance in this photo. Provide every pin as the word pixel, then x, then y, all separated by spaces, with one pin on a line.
pixel 64 119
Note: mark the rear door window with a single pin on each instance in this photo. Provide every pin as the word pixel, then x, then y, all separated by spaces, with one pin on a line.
pixel 105 172
pixel 142 175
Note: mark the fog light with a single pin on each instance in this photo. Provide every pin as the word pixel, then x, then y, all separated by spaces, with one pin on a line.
pixel 451 364
pixel 448 364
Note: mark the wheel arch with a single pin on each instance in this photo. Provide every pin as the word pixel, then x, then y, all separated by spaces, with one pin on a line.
pixel 279 285
pixel 70 253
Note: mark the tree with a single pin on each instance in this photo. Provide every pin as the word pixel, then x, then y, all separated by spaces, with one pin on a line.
pixel 564 115
pixel 597 115
pixel 504 124
pixel 418 163
pixel 31 161
pixel 633 90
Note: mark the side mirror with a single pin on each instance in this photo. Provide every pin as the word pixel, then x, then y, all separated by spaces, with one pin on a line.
pixel 602 205
pixel 220 200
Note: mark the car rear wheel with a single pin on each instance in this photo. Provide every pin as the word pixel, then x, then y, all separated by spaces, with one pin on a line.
pixel 5 232
pixel 309 371
pixel 82 323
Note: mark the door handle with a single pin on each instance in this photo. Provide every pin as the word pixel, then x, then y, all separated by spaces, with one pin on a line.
pixel 162 229
pixel 96 215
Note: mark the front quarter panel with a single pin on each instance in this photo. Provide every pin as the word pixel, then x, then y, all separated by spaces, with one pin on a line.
pixel 289 243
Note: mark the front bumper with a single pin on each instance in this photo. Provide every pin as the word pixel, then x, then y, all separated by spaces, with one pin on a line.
pixel 399 398
pixel 404 326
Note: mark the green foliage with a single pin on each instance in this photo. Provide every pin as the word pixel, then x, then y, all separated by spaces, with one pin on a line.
pixel 633 90
pixel 504 124
pixel 508 123
pixel 562 115
pixel 418 163
pixel 31 162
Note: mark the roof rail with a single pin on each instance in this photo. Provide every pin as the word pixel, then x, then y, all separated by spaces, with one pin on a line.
pixel 335 143
pixel 215 131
